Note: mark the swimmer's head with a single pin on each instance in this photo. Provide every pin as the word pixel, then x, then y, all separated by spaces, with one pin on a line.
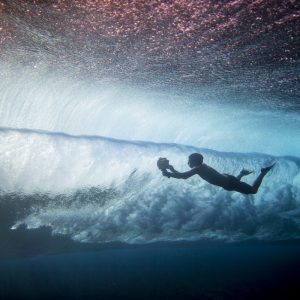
pixel 195 160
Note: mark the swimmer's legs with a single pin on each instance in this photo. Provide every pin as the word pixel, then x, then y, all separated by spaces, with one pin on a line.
pixel 259 179
pixel 246 188
pixel 243 173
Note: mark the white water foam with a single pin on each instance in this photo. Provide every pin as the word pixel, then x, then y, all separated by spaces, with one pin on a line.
pixel 135 203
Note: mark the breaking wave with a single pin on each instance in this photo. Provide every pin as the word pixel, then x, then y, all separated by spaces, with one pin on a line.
pixel 101 190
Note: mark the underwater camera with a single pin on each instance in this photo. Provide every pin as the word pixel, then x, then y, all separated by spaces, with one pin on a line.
pixel 162 163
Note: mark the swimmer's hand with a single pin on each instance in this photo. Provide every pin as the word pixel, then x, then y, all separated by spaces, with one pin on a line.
pixel 165 173
pixel 171 168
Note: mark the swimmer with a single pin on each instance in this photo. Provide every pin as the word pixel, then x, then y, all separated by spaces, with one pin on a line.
pixel 207 173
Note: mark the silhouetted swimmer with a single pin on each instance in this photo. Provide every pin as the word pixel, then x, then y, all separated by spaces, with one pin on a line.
pixel 226 181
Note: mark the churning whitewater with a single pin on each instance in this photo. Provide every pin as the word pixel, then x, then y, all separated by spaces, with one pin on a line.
pixel 103 190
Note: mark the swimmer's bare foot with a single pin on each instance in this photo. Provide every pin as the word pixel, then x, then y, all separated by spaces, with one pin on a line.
pixel 267 169
pixel 245 172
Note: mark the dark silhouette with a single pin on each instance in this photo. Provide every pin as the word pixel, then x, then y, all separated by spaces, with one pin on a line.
pixel 226 181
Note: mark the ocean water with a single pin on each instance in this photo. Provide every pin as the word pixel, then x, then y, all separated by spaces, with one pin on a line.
pixel 92 93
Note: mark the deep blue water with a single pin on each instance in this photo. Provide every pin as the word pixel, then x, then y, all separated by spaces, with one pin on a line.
pixel 157 272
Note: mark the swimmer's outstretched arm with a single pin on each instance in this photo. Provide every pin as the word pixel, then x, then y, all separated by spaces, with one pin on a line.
pixel 171 168
pixel 180 175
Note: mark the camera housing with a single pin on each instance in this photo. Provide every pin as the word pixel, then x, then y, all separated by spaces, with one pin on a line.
pixel 162 163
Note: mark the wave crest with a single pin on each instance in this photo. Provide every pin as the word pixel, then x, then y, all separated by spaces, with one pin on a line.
pixel 104 190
